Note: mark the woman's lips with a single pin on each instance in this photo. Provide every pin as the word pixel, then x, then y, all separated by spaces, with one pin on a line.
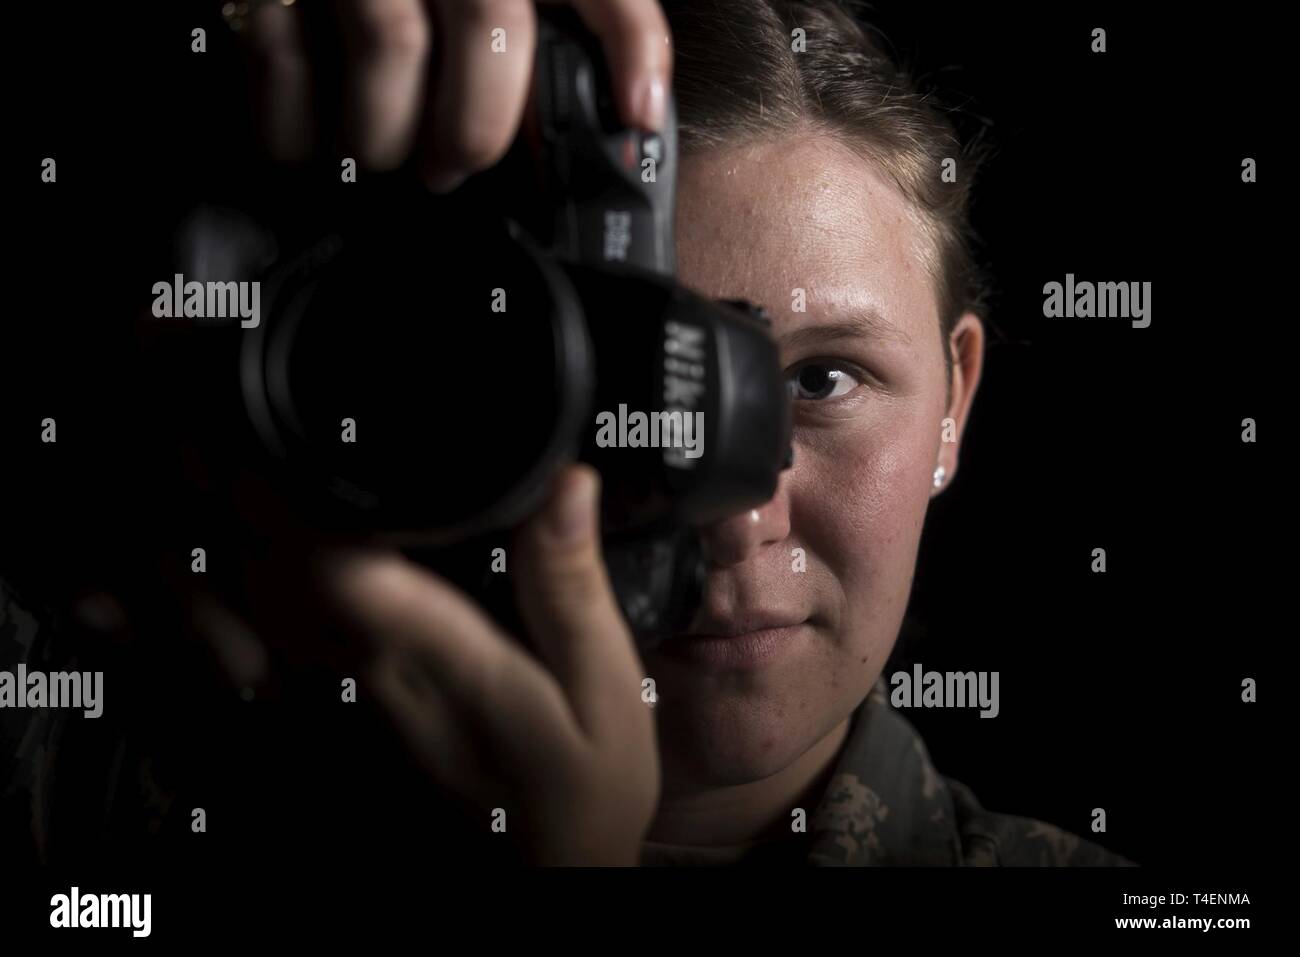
pixel 750 649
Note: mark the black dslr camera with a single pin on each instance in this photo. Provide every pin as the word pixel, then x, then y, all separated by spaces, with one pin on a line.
pixel 420 373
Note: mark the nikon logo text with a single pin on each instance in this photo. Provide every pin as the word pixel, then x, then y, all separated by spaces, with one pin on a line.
pixel 685 352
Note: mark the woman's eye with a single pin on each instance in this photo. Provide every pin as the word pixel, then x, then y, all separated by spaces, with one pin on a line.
pixel 821 380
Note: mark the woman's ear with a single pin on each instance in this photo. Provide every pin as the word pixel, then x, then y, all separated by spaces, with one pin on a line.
pixel 966 345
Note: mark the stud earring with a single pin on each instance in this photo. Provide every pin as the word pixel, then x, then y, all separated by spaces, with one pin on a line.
pixel 940 473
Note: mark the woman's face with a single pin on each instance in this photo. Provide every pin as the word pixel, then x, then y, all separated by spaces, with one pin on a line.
pixel 805 595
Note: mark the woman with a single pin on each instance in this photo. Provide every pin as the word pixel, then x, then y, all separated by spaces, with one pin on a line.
pixel 813 175
pixel 813 181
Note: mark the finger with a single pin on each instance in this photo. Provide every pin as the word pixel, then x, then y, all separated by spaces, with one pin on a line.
pixel 100 612
pixel 567 602
pixel 637 43
pixel 512 701
pixel 240 655
pixel 486 49
pixel 281 81
pixel 426 722
pixel 387 43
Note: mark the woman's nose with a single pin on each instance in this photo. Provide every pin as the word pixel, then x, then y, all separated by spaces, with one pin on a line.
pixel 739 537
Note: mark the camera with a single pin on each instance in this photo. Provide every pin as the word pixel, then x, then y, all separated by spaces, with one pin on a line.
pixel 423 367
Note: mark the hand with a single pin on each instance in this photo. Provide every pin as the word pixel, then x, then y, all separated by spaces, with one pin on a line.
pixel 461 114
pixel 564 744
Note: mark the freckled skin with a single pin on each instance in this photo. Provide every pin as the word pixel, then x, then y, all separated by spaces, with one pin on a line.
pixel 758 221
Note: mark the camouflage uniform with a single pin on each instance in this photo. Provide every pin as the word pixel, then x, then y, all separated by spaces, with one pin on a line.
pixel 886 804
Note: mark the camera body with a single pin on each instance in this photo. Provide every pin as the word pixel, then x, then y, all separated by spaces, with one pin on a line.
pixel 422 370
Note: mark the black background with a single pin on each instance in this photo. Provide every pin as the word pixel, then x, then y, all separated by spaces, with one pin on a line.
pixel 1119 691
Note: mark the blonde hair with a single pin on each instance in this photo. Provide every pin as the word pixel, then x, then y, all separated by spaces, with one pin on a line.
pixel 737 76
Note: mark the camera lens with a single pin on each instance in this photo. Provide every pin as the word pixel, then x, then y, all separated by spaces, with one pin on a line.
pixel 424 392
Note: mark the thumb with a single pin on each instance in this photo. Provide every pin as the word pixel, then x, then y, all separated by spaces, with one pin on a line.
pixel 568 605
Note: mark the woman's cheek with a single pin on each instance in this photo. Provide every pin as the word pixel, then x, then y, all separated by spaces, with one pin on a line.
pixel 865 481
pixel 860 507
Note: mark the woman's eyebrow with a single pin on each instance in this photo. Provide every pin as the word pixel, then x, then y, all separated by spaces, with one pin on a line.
pixel 860 325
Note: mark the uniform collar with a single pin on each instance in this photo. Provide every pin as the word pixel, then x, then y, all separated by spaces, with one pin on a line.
pixel 885 803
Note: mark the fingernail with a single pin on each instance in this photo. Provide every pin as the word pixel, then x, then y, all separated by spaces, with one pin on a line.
pixel 444 182
pixel 573 513
pixel 651 103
